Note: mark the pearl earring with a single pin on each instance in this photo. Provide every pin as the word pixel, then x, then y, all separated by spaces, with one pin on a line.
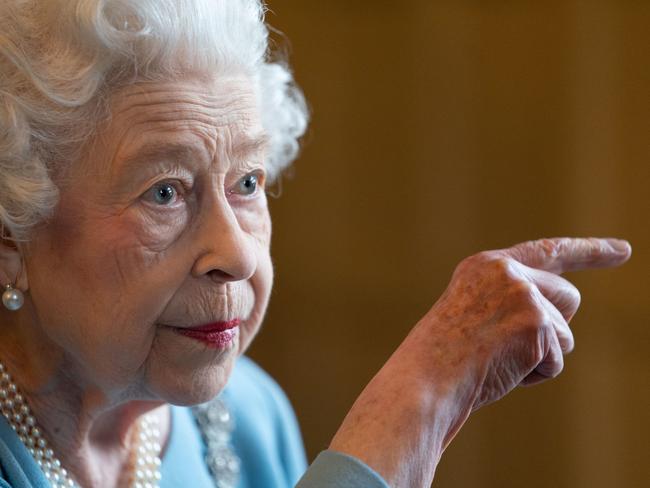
pixel 12 298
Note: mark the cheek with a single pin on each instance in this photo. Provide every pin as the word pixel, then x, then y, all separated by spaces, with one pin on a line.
pixel 258 226
pixel 256 223
pixel 99 287
pixel 262 283
pixel 82 309
pixel 156 229
pixel 255 220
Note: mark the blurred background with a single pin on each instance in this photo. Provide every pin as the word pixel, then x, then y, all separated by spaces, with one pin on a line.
pixel 442 128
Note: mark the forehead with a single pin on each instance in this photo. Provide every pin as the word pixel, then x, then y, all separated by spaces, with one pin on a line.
pixel 226 99
pixel 218 117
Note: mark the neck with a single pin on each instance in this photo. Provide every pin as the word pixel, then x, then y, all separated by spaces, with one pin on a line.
pixel 90 430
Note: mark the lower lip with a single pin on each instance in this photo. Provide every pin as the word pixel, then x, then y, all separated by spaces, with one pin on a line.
pixel 216 339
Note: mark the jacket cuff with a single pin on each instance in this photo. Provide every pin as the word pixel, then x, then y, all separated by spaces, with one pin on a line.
pixel 335 469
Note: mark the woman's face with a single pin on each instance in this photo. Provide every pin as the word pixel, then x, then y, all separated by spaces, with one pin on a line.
pixel 164 223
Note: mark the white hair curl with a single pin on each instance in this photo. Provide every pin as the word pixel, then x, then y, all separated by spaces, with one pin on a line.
pixel 60 61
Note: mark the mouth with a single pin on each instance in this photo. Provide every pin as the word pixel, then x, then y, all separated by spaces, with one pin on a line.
pixel 217 335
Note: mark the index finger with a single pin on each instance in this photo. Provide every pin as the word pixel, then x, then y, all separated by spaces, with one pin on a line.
pixel 562 254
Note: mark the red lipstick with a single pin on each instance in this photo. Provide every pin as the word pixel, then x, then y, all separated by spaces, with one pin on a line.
pixel 217 334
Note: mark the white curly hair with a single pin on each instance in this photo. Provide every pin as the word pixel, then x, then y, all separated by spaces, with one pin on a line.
pixel 60 61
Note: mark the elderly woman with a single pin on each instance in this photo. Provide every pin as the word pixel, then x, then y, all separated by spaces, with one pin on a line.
pixel 136 139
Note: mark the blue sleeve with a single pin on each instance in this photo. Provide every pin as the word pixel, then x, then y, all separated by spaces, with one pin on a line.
pixel 334 469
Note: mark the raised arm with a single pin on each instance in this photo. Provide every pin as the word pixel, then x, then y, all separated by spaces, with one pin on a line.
pixel 502 322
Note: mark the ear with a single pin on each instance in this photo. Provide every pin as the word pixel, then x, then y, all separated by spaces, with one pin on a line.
pixel 12 263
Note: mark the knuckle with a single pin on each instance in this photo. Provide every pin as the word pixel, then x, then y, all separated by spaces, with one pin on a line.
pixel 493 263
pixel 548 359
pixel 502 268
pixel 558 366
pixel 467 263
pixel 569 345
pixel 550 248
pixel 596 250
pixel 480 261
pixel 565 339
pixel 539 317
pixel 523 291
pixel 481 257
pixel 569 297
pixel 554 248
pixel 539 348
pixel 592 250
pixel 533 324
pixel 556 369
pixel 575 294
pixel 534 328
pixel 505 267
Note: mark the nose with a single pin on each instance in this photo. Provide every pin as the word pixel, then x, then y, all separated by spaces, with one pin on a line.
pixel 228 253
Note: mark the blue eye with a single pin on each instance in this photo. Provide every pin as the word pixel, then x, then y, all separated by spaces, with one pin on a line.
pixel 247 185
pixel 163 193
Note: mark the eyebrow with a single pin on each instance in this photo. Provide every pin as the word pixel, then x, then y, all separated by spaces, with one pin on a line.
pixel 245 145
pixel 170 151
pixel 152 152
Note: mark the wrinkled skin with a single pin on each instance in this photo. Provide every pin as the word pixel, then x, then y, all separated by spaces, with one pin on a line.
pixel 114 267
pixel 501 323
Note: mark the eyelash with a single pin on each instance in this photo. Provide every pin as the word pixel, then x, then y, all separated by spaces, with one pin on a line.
pixel 177 185
pixel 260 182
pixel 181 188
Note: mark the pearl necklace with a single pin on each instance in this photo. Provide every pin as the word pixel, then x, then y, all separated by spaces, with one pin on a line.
pixel 13 406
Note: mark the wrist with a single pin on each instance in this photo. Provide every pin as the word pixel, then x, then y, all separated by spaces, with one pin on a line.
pixel 403 421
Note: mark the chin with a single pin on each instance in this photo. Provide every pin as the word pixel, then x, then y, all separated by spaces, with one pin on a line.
pixel 193 383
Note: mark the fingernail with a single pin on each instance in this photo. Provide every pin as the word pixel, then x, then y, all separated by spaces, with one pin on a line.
pixel 620 246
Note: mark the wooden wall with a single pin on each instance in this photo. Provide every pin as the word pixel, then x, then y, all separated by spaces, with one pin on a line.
pixel 441 128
